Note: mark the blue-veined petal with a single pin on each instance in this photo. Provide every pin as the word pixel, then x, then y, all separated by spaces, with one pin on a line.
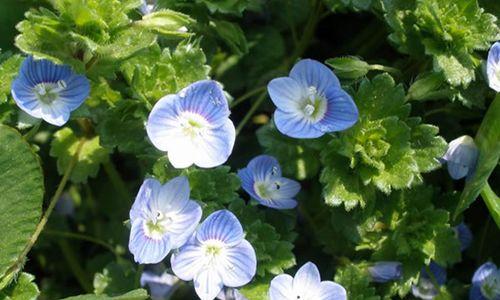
pixel 188 261
pixel 184 223
pixel 263 166
pixel 223 226
pixel 240 266
pixel 288 188
pixel 295 125
pixel 493 67
pixel 56 114
pixel 483 272
pixel 461 157
pixel 464 235
pixel 247 181
pixel 329 290
pixel 384 271
pixel 341 112
pixel 208 284
pixel 281 287
pixel 307 280
pixel 173 196
pixel 147 250
pixel 148 190
pixel 215 146
pixel 163 123
pixel 76 91
pixel 309 72
pixel 161 286
pixel 287 94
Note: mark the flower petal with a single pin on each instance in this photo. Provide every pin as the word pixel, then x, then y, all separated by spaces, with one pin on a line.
pixel 295 125
pixel 184 224
pixel 207 99
pixel 493 67
pixel 281 287
pixel 38 71
pixel 483 272
pixel 288 188
pixel 55 113
pixel 247 181
pixel 278 204
pixel 286 94
pixel 76 91
pixel 264 166
pixel 148 191
pixel 207 284
pixel 221 225
pixel 26 99
pixel 330 290
pixel 240 266
pixel 307 279
pixel 341 112
pixel 172 196
pixel 182 152
pixel 214 147
pixel 162 123
pixel 188 261
pixel 144 249
pixel 309 72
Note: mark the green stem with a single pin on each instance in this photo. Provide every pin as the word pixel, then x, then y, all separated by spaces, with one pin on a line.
pixel 82 237
pixel 492 202
pixel 50 208
pixel 250 112
pixel 246 96
pixel 73 263
pixel 117 181
pixel 28 135
pixel 482 241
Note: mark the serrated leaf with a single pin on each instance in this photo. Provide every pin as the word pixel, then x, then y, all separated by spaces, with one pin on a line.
pixel 488 141
pixel 23 288
pixel 116 278
pixel 258 289
pixel 357 282
pixel 8 71
pixel 21 197
pixel 64 146
pixel 139 294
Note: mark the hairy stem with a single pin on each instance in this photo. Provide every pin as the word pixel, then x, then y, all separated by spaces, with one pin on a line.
pixel 117 181
pixel 82 237
pixel 246 96
pixel 251 111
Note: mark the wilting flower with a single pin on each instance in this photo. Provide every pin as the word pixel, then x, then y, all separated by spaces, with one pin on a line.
pixel 262 180
pixel 485 283
pixel 461 157
pixel 306 285
pixel 230 294
pixel 217 255
pixel 464 235
pixel 193 126
pixel 48 91
pixel 384 271
pixel 147 6
pixel 425 289
pixel 493 67
pixel 310 102
pixel 163 218
pixel 161 286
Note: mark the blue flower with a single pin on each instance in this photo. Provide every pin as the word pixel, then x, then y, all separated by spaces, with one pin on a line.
pixel 384 271
pixel 262 180
pixel 65 206
pixel 230 294
pixel 217 255
pixel 193 126
pixel 162 218
pixel 486 283
pixel 425 289
pixel 461 157
pixel 493 67
pixel 464 235
pixel 48 91
pixel 147 6
pixel 306 284
pixel 311 102
pixel 161 286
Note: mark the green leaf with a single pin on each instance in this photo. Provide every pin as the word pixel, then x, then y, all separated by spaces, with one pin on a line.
pixel 21 197
pixel 232 35
pixel 166 22
pixel 256 289
pixel 357 282
pixel 298 158
pixel 115 279
pixel 139 294
pixel 64 146
pixel 349 67
pixel 227 6
pixel 23 288
pixel 488 141
pixel 8 71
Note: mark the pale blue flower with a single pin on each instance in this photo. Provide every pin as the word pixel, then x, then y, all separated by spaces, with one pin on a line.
pixel 461 157
pixel 193 126
pixel 485 283
pixel 384 271
pixel 310 102
pixel 426 289
pixel 464 235
pixel 147 6
pixel 161 286
pixel 48 91
pixel 163 218
pixel 263 181
pixel 493 67
pixel 230 294
pixel 306 285
pixel 217 255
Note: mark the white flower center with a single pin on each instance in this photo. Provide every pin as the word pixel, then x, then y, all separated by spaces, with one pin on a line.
pixel 267 189
pixel 214 251
pixel 48 92
pixel 157 225
pixel 314 105
pixel 491 286
pixel 193 125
